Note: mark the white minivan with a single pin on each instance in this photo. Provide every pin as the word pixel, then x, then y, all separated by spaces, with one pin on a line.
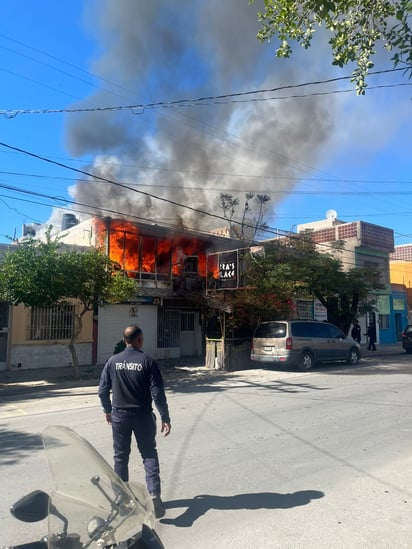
pixel 302 343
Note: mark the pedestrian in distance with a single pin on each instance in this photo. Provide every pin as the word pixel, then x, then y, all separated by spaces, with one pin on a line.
pixel 129 385
pixel 356 331
pixel 371 333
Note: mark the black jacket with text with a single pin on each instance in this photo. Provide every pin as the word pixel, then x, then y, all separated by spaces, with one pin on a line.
pixel 135 382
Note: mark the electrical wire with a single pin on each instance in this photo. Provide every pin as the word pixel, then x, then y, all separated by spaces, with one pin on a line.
pixel 285 97
pixel 140 108
pixel 222 174
pixel 270 230
pixel 133 189
pixel 68 63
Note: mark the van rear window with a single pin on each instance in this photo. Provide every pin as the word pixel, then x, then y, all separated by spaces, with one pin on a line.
pixel 271 329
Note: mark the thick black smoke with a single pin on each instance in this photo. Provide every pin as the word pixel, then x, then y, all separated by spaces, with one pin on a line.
pixel 165 51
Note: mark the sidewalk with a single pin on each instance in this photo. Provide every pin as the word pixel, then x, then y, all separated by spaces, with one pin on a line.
pixel 383 349
pixel 17 380
pixel 29 380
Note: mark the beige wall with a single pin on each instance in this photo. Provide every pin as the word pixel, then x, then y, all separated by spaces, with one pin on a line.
pixel 20 322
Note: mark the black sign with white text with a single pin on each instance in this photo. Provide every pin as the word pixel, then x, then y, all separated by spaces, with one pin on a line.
pixel 228 269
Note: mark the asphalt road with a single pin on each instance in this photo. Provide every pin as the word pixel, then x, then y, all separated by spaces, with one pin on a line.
pixel 256 459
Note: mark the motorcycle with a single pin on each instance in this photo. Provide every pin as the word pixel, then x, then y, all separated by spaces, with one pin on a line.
pixel 90 507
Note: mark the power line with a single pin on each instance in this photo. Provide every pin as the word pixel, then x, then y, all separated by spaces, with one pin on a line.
pixel 135 218
pixel 72 202
pixel 128 91
pixel 80 69
pixel 140 108
pixel 106 180
pixel 8 114
pixel 222 174
pixel 270 230
pixel 47 65
pixel 128 187
pixel 78 211
pixel 102 79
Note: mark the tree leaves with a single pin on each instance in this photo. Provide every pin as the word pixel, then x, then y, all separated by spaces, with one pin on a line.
pixel 356 27
pixel 293 268
pixel 41 274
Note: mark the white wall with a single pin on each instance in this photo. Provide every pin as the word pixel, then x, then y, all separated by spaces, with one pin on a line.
pixel 114 318
pixel 55 355
pixel 191 342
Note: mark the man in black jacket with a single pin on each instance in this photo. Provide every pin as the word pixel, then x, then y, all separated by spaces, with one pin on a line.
pixel 135 382
pixel 356 331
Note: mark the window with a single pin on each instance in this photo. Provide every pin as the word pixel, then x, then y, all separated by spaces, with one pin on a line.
pixel 383 321
pixel 335 332
pixel 168 333
pixel 54 323
pixel 187 322
pixel 271 329
pixel 304 329
pixel 382 264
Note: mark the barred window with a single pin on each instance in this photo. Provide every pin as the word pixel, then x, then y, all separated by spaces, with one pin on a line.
pixel 54 323
pixel 187 322
pixel 168 333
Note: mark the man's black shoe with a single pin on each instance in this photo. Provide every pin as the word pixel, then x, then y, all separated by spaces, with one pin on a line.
pixel 159 510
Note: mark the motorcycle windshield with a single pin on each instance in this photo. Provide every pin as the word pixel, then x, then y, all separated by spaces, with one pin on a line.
pixel 90 505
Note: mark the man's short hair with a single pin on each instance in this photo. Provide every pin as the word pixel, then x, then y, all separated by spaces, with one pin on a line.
pixel 130 333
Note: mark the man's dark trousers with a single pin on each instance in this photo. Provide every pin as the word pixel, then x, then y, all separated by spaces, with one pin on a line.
pixel 143 426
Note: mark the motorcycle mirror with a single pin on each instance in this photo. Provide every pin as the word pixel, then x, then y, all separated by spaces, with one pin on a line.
pixel 31 507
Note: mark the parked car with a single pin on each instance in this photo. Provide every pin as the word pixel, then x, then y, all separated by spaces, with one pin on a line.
pixel 407 338
pixel 303 343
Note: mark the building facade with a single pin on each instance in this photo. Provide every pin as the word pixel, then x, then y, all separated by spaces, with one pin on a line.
pixel 401 273
pixel 364 245
pixel 172 268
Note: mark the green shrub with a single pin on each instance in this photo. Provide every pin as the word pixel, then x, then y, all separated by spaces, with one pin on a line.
pixel 119 347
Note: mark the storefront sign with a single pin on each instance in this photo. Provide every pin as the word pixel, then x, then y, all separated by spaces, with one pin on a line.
pixel 319 311
pixel 228 270
pixel 398 304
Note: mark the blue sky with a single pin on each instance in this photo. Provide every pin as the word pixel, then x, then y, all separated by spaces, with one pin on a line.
pixel 309 154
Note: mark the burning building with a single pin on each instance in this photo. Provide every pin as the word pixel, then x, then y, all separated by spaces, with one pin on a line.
pixel 172 267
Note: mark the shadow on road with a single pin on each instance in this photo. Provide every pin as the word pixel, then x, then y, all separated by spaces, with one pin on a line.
pixel 200 505
pixel 177 380
pixel 213 381
pixel 380 365
pixel 15 445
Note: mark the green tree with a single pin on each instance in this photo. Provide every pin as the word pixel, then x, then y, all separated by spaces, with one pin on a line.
pixel 293 268
pixel 344 292
pixel 43 274
pixel 356 28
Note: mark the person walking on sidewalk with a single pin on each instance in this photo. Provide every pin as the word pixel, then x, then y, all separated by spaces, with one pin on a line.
pixel 356 331
pixel 371 333
pixel 129 384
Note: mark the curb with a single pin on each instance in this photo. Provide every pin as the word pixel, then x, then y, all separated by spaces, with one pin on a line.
pixel 52 379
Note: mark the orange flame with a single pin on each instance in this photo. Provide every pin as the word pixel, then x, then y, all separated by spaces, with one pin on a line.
pixel 133 251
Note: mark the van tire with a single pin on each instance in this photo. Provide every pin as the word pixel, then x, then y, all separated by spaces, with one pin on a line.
pixel 306 361
pixel 354 357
